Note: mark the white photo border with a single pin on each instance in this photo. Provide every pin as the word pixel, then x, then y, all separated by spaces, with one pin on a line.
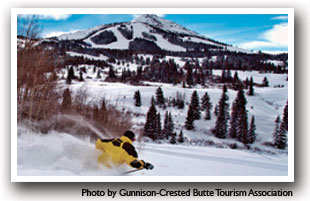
pixel 17 11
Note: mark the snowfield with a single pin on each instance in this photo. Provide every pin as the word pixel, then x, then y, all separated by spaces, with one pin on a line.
pixel 59 154
pixel 62 154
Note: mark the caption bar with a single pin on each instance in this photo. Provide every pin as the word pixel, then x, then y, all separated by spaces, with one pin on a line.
pixel 189 192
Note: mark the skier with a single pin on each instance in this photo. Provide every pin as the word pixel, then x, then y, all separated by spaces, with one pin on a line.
pixel 117 151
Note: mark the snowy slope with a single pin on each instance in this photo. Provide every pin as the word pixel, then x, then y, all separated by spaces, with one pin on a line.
pixel 59 154
pixel 164 24
pixel 80 34
pixel 266 105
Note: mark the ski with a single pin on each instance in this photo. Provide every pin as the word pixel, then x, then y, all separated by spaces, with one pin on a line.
pixel 131 171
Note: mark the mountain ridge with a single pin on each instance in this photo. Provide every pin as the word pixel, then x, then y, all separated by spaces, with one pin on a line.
pixel 166 35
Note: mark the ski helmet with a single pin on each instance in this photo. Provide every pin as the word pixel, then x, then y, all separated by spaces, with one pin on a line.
pixel 130 135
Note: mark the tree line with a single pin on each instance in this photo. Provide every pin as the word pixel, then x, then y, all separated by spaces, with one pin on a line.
pixel 234 124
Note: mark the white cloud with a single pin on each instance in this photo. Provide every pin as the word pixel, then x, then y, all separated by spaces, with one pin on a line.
pixel 277 37
pixel 49 16
pixel 281 17
pixel 55 16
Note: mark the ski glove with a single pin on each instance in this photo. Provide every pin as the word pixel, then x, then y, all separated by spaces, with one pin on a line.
pixel 148 166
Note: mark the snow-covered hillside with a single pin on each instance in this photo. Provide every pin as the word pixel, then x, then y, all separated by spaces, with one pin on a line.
pixel 266 105
pixel 59 154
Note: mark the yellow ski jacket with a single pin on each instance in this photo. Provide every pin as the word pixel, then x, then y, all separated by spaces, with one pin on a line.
pixel 118 151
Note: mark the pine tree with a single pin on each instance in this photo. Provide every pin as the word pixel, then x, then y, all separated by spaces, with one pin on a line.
pixel 280 134
pixel 98 74
pixel 180 100
pixel 159 134
pixel 276 130
pixel 170 124
pixel 181 137
pixel 189 77
pixel 66 101
pixel 247 83
pixel 243 135
pixel 281 142
pixel 70 75
pixel 265 82
pixel 239 119
pixel 285 116
pixel 252 131
pixel 173 138
pixel 189 123
pixel 112 73
pixel 220 129
pixel 237 84
pixel 160 100
pixel 216 110
pixel 150 124
pixel 206 106
pixel 195 105
pixel 81 76
pixel 251 87
pixel 137 98
pixel 166 125
pixel 233 121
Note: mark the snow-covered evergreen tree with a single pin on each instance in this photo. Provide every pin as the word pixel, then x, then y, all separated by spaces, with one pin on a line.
pixel 168 125
pixel 237 84
pixel 280 134
pixel 233 121
pixel 281 142
pixel 159 133
pixel 220 129
pixel 252 131
pixel 160 100
pixel 195 105
pixel 189 123
pixel 206 106
pixel 239 120
pixel 150 124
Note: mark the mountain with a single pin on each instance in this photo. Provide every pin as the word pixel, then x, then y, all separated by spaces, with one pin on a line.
pixel 108 44
pixel 146 32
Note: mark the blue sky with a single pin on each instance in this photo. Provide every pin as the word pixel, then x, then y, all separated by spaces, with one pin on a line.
pixel 266 32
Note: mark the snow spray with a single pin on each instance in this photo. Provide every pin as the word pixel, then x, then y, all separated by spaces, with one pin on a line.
pixel 82 121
